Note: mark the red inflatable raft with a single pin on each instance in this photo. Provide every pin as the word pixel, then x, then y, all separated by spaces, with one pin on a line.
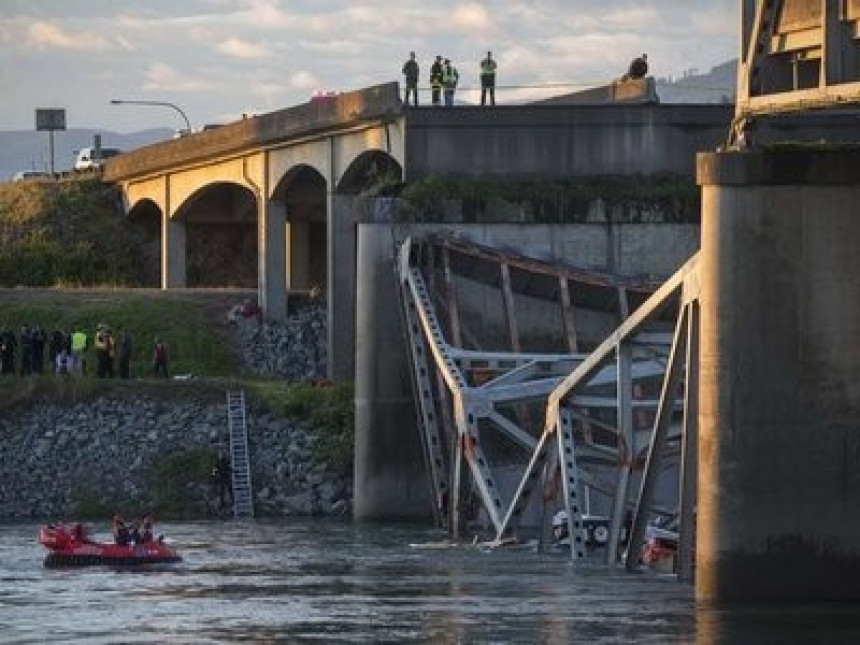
pixel 69 547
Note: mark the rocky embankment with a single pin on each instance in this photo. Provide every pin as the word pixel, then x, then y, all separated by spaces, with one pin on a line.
pixel 295 349
pixel 144 453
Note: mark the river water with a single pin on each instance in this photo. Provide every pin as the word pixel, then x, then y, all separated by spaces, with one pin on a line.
pixel 327 581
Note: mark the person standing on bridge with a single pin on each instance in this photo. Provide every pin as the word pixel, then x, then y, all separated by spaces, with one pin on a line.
pixel 638 68
pixel 450 78
pixel 488 79
pixel 436 80
pixel 410 71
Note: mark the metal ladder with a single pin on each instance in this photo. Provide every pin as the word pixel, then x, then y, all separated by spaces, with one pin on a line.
pixel 243 498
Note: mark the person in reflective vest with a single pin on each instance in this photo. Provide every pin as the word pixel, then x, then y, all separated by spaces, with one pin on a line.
pixel 78 352
pixel 488 79
pixel 410 71
pixel 450 77
pixel 436 80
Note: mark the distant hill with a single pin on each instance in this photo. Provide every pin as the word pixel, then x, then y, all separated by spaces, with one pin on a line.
pixel 29 150
pixel 717 86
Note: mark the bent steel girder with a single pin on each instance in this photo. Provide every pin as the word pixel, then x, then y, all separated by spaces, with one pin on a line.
pixel 795 55
pixel 575 390
pixel 683 285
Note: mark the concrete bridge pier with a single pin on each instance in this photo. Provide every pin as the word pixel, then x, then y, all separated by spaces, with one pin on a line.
pixel 390 482
pixel 340 287
pixel 174 273
pixel 298 242
pixel 272 252
pixel 779 446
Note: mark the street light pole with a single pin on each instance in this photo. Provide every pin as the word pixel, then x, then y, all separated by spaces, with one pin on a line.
pixel 161 103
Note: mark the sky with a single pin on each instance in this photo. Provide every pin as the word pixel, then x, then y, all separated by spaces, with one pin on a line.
pixel 219 59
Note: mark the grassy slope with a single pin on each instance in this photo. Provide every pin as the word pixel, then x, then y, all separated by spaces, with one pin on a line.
pixel 191 324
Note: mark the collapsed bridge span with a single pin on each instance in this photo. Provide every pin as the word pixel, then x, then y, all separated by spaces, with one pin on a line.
pixel 511 434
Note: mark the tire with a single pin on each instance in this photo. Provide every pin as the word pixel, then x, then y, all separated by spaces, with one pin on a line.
pixel 600 535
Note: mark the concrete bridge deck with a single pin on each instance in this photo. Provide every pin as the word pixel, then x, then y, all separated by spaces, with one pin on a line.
pixel 277 189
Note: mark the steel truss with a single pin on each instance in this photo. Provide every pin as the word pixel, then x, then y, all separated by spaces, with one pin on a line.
pixel 571 416
pixel 795 55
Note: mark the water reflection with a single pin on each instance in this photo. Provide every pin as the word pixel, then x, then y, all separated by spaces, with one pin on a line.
pixel 328 581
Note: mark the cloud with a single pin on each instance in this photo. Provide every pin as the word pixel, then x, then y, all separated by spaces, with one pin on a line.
pixel 268 89
pixel 125 44
pixel 471 15
pixel 239 48
pixel 304 80
pixel 44 35
pixel 630 19
pixel 262 13
pixel 162 77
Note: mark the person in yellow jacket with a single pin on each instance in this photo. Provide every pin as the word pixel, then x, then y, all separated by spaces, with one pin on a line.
pixel 79 349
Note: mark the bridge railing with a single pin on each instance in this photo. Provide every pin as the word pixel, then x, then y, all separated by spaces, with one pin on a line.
pixel 319 115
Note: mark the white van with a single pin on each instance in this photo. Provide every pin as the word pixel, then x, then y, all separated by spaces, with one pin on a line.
pixel 30 175
pixel 87 159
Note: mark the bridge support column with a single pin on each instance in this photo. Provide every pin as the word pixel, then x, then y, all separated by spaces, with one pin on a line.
pixel 390 478
pixel 779 447
pixel 299 263
pixel 272 249
pixel 173 258
pixel 341 256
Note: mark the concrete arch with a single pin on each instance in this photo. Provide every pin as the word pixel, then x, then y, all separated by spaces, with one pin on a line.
pixel 246 172
pixel 144 207
pixel 219 201
pixel 303 194
pixel 220 229
pixel 145 218
pixel 386 138
pixel 370 168
pixel 283 163
pixel 297 178
pixel 153 189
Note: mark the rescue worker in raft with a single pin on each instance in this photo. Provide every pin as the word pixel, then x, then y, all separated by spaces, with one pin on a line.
pixel 120 531
pixel 146 535
pixel 134 534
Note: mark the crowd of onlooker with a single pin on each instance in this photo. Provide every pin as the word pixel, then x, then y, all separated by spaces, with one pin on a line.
pixel 33 352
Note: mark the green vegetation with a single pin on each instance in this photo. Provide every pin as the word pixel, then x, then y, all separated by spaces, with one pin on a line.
pixel 68 233
pixel 195 343
pixel 178 480
pixel 327 408
pixel 664 198
pixel 88 504
pixel 16 391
